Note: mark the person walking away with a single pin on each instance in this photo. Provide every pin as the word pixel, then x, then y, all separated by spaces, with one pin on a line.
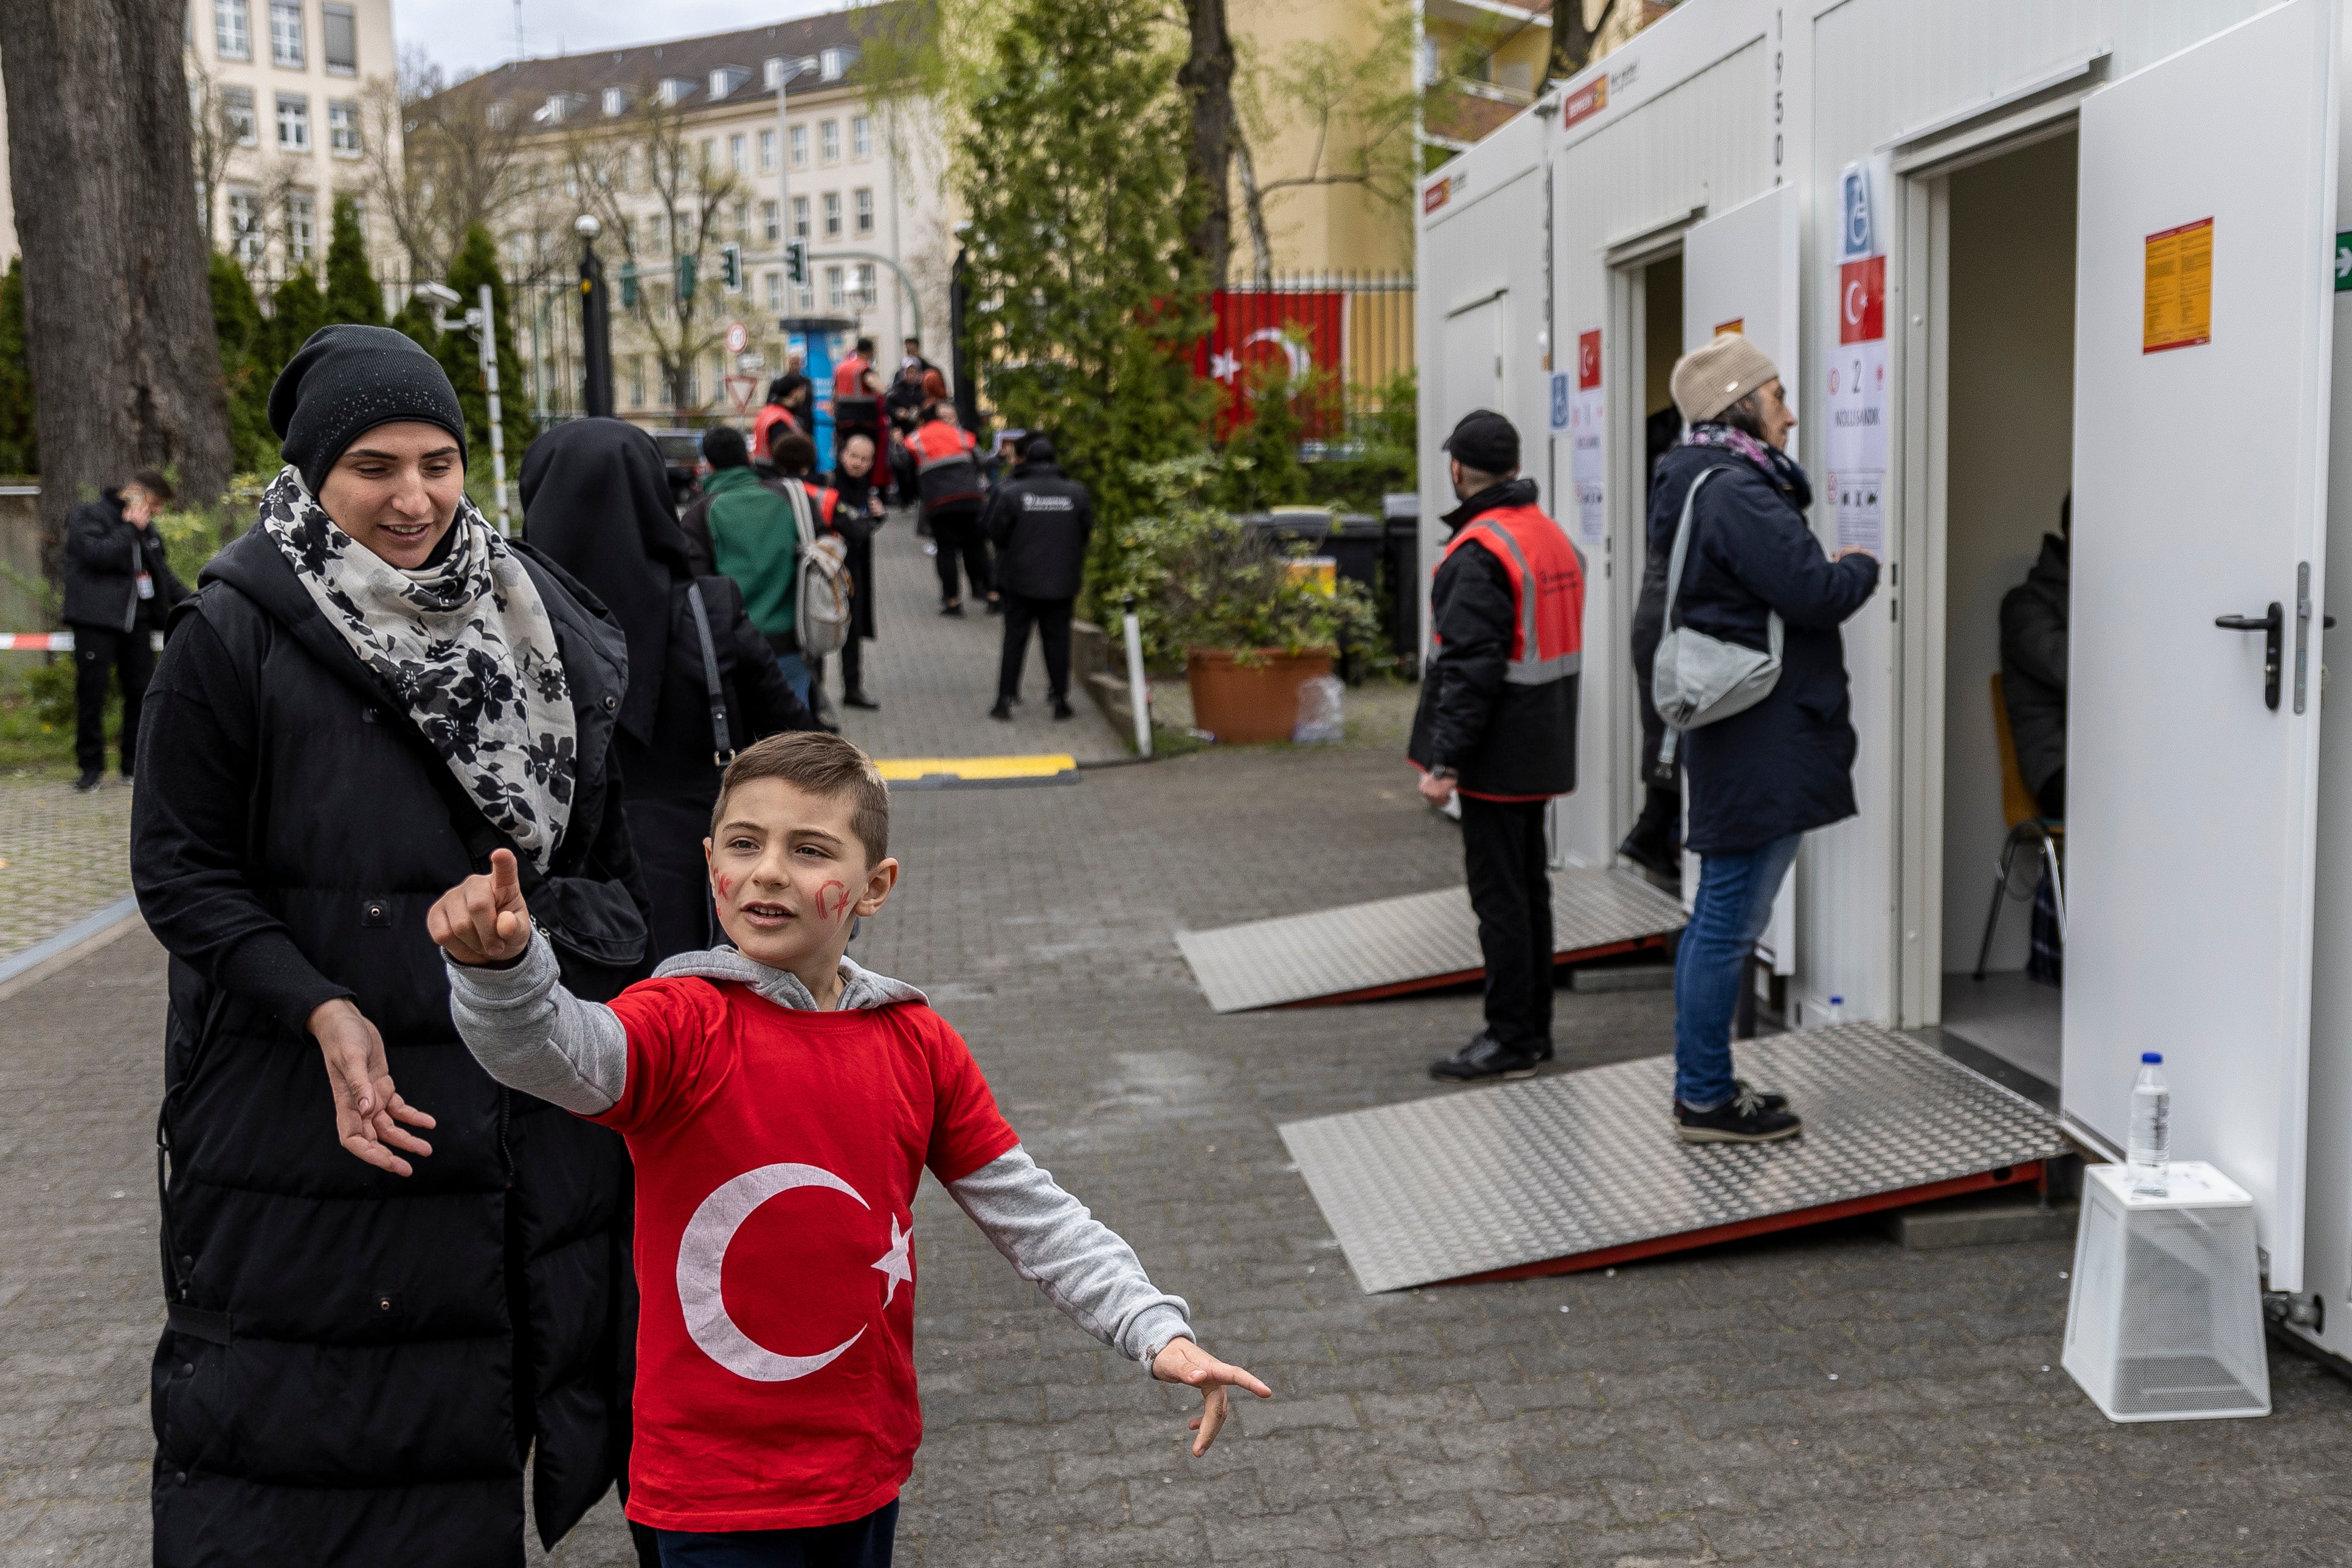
pixel 1760 780
pixel 1496 726
pixel 947 478
pixel 789 398
pixel 388 1280
pixel 857 517
pixel 1039 519
pixel 902 407
pixel 120 593
pixel 796 465
pixel 1655 842
pixel 2034 668
pixel 595 503
pixel 754 537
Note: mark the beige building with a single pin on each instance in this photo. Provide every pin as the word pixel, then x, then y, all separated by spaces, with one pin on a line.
pixel 854 175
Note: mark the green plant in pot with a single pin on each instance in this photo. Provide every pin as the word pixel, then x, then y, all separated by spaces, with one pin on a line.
pixel 1244 619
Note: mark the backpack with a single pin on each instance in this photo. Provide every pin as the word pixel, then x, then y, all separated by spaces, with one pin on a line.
pixel 1698 679
pixel 822 584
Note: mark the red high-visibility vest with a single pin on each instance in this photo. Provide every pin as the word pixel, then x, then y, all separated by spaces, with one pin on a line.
pixel 1547 592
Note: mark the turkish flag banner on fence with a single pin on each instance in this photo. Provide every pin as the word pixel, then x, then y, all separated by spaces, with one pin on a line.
pixel 1259 332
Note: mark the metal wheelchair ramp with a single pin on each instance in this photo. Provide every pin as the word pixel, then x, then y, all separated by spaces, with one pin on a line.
pixel 1582 1169
pixel 1393 946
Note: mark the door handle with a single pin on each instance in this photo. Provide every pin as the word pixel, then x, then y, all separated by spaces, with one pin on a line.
pixel 2273 626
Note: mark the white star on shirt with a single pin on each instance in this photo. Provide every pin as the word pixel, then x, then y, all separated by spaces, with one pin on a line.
pixel 895 1264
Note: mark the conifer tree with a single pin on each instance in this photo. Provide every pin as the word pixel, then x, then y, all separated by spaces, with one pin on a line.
pixel 351 292
pixel 476 264
pixel 238 323
pixel 296 310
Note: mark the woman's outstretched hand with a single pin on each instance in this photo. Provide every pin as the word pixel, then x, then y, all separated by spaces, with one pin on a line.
pixel 483 920
pixel 1181 1361
pixel 371 1120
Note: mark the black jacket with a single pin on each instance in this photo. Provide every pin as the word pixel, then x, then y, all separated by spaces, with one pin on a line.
pixel 105 553
pixel 1785 766
pixel 355 1363
pixel 1504 741
pixel 1040 521
pixel 2033 665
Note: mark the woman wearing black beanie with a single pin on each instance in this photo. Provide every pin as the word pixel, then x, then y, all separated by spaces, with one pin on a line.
pixel 388 1278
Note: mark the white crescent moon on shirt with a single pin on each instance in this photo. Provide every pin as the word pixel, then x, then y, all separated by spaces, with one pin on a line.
pixel 702 1258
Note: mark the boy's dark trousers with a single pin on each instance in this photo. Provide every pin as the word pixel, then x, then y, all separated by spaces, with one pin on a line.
pixel 1510 890
pixel 100 652
pixel 859 1544
pixel 957 533
pixel 1051 618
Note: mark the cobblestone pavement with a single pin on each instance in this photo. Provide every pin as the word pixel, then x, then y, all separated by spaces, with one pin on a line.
pixel 1818 1399
pixel 62 856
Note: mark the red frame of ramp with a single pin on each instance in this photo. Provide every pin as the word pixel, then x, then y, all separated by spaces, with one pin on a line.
pixel 1464 976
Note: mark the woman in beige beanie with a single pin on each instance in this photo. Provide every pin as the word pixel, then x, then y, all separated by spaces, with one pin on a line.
pixel 1759 779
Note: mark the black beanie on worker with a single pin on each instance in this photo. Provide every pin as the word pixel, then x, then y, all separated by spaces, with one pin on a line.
pixel 344 382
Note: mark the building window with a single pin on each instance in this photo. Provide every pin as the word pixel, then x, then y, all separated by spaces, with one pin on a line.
pixel 736 155
pixel 767 152
pixel 237 113
pixel 834 64
pixel 656 235
pixel 232 30
pixel 342 28
pixel 245 226
pixel 775 286
pixel 726 79
pixel 359 215
pixel 636 381
pixel 500 114
pixel 865 286
pixel 828 141
pixel 799 146
pixel 693 399
pixel 861 137
pixel 674 88
pixel 832 214
pixel 800 217
pixel 865 204
pixel 807 297
pixel 616 101
pixel 769 229
pixel 285 33
pixel 293 122
pixel 343 130
pixel 301 227
pixel 835 289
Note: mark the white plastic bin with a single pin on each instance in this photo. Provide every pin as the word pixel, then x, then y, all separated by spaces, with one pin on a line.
pixel 2165 1319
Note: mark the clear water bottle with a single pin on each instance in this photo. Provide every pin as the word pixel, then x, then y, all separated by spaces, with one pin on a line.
pixel 1837 1009
pixel 2150 1148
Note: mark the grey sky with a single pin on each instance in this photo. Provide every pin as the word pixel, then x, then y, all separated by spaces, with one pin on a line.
pixel 462 36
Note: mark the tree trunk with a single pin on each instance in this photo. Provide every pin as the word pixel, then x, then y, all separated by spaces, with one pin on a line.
pixel 1207 80
pixel 118 310
pixel 1571 41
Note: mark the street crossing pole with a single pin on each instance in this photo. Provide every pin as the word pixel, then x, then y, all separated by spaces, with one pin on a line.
pixel 485 340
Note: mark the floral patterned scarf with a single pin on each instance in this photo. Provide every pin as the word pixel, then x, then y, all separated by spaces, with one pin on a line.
pixel 466 645
pixel 1777 465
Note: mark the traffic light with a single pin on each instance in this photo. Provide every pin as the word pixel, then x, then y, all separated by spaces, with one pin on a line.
pixel 628 285
pixel 687 267
pixel 796 261
pixel 730 267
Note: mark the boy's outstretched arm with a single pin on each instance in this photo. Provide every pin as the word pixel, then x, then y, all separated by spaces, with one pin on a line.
pixel 1089 1271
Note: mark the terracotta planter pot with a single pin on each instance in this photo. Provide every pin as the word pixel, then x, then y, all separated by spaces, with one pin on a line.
pixel 1239 703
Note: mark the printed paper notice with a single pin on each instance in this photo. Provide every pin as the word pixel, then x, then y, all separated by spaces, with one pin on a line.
pixel 1856 446
pixel 2176 307
pixel 1587 462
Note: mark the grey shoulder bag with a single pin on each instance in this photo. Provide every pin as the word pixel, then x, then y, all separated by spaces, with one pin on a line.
pixel 1698 679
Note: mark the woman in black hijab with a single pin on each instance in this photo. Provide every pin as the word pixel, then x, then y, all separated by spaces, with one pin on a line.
pixel 596 500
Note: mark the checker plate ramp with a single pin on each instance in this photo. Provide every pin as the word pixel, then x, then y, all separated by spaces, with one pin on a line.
pixel 1390 945
pixel 1583 1168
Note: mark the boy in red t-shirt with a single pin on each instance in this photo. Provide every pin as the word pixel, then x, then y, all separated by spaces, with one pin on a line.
pixel 781 1104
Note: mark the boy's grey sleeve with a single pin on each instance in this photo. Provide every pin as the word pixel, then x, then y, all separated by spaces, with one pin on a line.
pixel 1084 1266
pixel 532 1034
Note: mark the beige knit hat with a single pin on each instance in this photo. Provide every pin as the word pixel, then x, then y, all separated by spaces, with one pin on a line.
pixel 1708 380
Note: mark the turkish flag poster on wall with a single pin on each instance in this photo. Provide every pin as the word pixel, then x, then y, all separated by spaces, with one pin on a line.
pixel 1258 334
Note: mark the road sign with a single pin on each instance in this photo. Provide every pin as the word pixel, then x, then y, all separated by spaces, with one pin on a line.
pixel 751 364
pixel 740 390
pixel 739 337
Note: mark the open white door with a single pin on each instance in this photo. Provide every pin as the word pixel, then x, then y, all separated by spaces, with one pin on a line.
pixel 1739 274
pixel 2202 346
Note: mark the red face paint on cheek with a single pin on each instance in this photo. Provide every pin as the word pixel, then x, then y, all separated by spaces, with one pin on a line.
pixel 725 885
pixel 832 901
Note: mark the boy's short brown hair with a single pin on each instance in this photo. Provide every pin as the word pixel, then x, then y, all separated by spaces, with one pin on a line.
pixel 823 765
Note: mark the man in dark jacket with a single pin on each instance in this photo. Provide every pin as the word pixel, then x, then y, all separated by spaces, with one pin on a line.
pixel 120 591
pixel 1040 521
pixel 1761 778
pixel 1496 725
pixel 2034 668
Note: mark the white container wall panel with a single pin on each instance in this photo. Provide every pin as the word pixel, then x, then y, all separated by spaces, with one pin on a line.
pixel 1700 142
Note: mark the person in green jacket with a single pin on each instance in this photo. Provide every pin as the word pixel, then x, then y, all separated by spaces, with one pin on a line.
pixel 755 541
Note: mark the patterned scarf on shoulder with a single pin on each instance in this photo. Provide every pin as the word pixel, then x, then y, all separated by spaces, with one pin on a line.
pixel 465 645
pixel 1777 465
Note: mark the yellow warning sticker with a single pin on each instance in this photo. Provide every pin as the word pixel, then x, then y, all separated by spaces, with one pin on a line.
pixel 2177 309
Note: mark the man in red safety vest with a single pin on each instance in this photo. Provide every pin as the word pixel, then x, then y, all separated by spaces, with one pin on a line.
pixel 1496 727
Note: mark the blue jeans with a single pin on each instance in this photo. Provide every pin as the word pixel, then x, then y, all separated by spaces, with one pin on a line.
pixel 859 1544
pixel 1733 906
pixel 797 674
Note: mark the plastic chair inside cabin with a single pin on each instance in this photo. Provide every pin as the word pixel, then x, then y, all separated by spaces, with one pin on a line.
pixel 2026 821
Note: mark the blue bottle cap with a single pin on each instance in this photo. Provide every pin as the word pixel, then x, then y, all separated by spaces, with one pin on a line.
pixel 2156 1056
pixel 1837 1002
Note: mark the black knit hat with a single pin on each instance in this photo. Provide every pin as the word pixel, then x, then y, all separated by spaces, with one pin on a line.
pixel 344 382
pixel 1486 440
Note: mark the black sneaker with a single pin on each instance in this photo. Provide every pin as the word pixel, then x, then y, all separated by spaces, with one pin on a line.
pixel 1003 710
pixel 860 700
pixel 1485 1057
pixel 955 609
pixel 1062 708
pixel 996 605
pixel 1742 1119
pixel 90 780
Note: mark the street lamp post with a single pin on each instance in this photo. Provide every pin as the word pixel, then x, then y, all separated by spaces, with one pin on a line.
pixel 595 324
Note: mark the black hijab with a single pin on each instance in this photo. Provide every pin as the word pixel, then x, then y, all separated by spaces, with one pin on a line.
pixel 596 499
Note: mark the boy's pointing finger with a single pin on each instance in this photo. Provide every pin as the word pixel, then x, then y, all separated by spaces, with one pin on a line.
pixel 505 880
